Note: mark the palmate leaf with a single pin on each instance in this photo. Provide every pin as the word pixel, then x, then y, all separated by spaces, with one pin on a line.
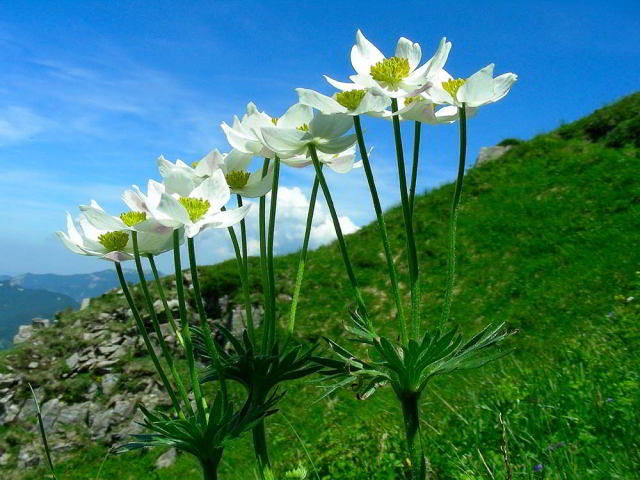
pixel 408 369
pixel 203 438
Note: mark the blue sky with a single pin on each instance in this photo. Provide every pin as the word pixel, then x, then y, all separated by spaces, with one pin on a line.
pixel 92 92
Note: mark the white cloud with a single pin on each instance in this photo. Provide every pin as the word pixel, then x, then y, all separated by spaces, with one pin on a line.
pixel 19 123
pixel 291 217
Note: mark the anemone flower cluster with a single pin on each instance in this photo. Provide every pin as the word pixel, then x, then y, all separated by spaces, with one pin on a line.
pixel 194 196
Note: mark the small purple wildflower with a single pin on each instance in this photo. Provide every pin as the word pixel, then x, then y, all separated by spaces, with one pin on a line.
pixel 611 314
pixel 609 399
pixel 538 467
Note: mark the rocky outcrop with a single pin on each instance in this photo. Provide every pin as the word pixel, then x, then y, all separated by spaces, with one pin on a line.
pixel 90 388
pixel 487 154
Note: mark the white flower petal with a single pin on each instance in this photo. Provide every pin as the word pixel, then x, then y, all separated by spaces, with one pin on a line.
pixel 101 220
pixel 237 160
pixel 364 55
pixel 285 142
pixel 409 50
pixel 337 145
pixel 478 88
pixel 320 102
pixel 241 141
pixel 209 163
pixel 170 212
pixel 257 185
pixel 330 126
pixel 341 85
pixel 372 102
pixel 69 243
pixel 181 182
pixel 296 116
pixel 215 190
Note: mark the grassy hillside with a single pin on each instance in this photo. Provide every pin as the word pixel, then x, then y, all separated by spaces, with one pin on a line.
pixel 548 242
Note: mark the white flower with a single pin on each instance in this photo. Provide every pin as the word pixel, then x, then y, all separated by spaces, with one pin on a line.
pixel 107 243
pixel 339 162
pixel 245 135
pixel 325 132
pixel 477 90
pixel 240 181
pixel 198 210
pixel 396 76
pixel 350 102
pixel 181 178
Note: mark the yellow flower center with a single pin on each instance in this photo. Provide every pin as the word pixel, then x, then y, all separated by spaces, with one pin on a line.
pixel 195 207
pixel 303 128
pixel 274 120
pixel 237 178
pixel 114 241
pixel 133 218
pixel 351 99
pixel 390 70
pixel 195 164
pixel 410 100
pixel 452 86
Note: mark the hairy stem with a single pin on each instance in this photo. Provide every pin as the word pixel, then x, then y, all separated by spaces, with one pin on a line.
pixel 156 325
pixel 453 220
pixel 414 166
pixel 341 243
pixel 412 255
pixel 303 256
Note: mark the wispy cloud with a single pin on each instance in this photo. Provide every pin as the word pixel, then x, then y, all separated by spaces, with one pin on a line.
pixel 18 124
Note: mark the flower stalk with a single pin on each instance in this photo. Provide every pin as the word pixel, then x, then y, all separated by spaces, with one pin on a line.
pixel 342 244
pixel 145 337
pixel 414 165
pixel 414 274
pixel 270 268
pixel 453 220
pixel 156 325
pixel 383 230
pixel 303 256
pixel 163 297
pixel 411 414
pixel 186 334
pixel 244 277
pixel 266 287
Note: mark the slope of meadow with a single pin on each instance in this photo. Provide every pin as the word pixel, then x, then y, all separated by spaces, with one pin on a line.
pixel 547 242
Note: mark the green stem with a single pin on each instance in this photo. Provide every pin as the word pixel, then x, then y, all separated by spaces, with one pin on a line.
pixel 163 297
pixel 262 452
pixel 412 431
pixel 263 265
pixel 204 325
pixel 341 243
pixel 383 230
pixel 244 280
pixel 186 335
pixel 412 255
pixel 245 275
pixel 209 469
pixel 453 220
pixel 156 326
pixel 303 255
pixel 270 267
pixel 414 166
pixel 145 337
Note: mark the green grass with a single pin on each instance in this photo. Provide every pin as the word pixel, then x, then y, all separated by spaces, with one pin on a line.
pixel 548 241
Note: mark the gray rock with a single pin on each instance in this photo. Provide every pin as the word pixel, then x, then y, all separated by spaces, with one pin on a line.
pixel 33 365
pixel 167 459
pixel 8 413
pixel 29 456
pixel 40 322
pixel 85 303
pixel 75 414
pixel 107 350
pixel 50 412
pixel 486 154
pixel 8 380
pixel 100 423
pixel 5 459
pixel 110 383
pixel 28 410
pixel 24 333
pixel 72 361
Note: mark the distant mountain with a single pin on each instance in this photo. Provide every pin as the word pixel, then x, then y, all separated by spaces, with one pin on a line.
pixel 78 286
pixel 4 277
pixel 19 305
